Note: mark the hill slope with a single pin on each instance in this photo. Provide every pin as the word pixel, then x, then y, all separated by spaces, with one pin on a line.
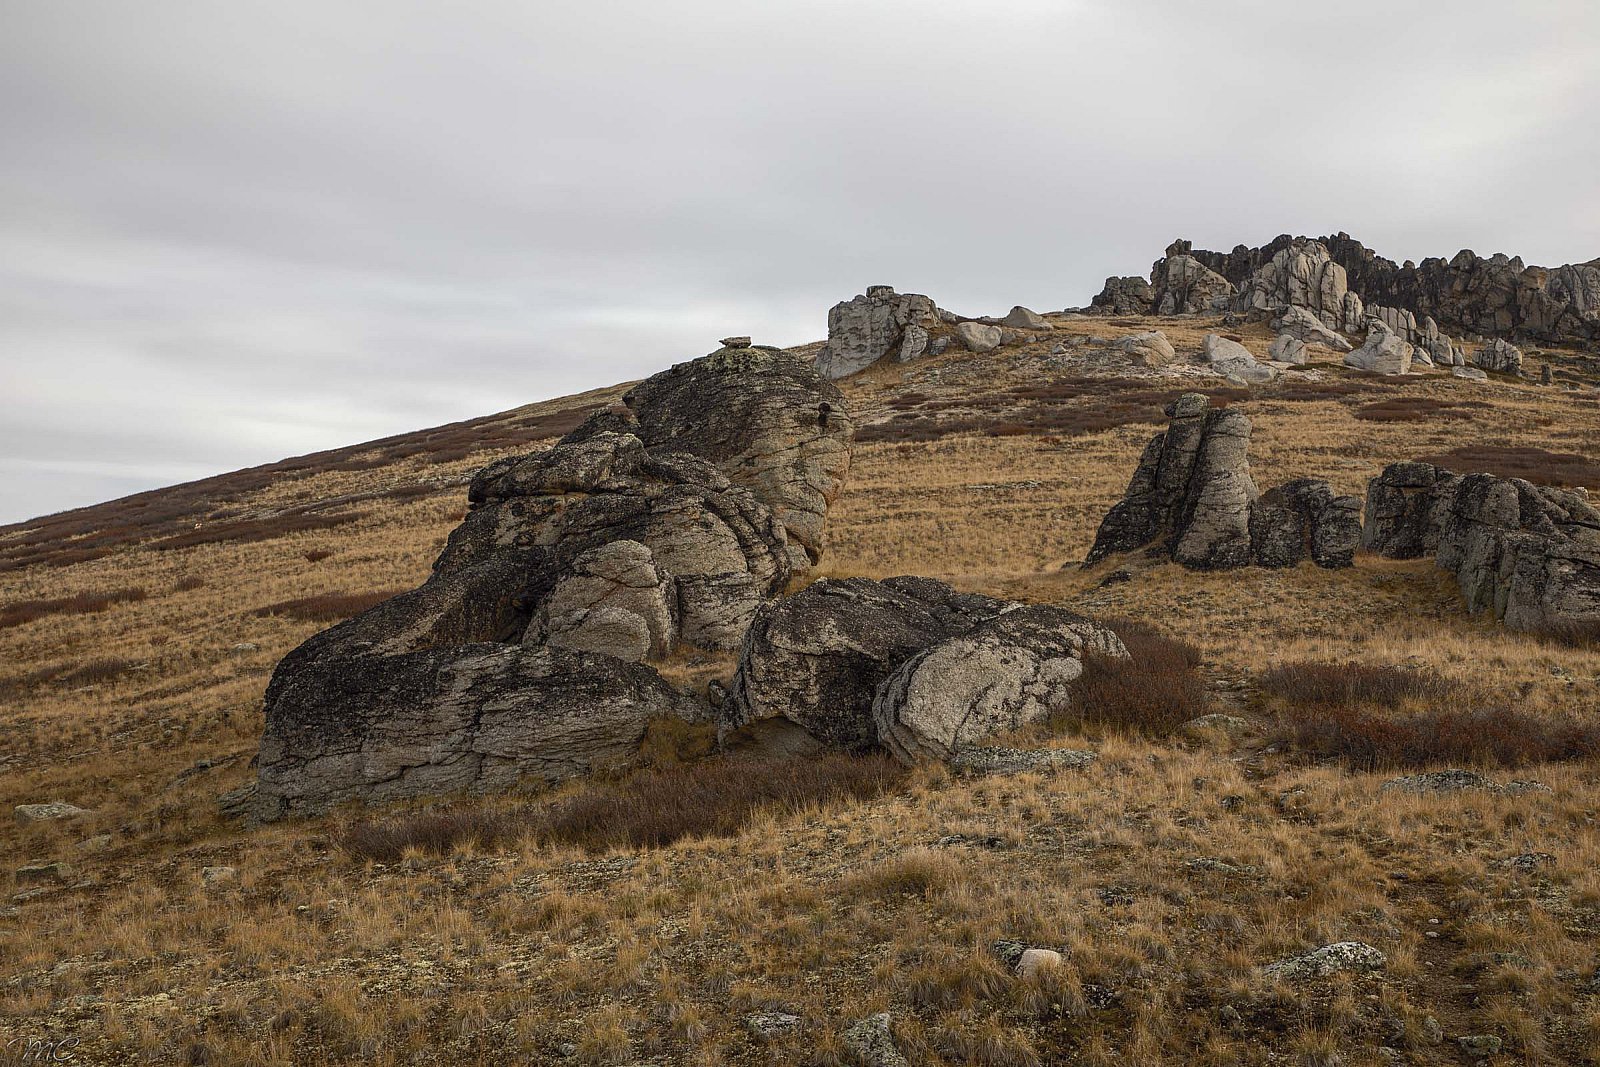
pixel 136 639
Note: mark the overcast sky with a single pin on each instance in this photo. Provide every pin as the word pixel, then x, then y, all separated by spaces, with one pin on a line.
pixel 236 231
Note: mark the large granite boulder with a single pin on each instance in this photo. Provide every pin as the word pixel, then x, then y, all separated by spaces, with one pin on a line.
pixel 817 657
pixel 1000 675
pixel 480 717
pixel 979 337
pixel 1124 296
pixel 1235 362
pixel 866 328
pixel 1021 318
pixel 1383 352
pixel 1148 349
pixel 615 600
pixel 769 421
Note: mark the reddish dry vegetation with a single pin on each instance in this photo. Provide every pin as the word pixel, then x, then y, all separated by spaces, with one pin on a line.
pixel 1152 692
pixel 648 809
pixel 23 611
pixel 64 676
pixel 330 607
pixel 1415 409
pixel 1532 464
pixel 1355 714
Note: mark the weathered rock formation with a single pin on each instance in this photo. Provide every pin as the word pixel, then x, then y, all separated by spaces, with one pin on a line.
pixel 1466 293
pixel 1528 554
pixel 864 329
pixel 979 336
pixel 1124 296
pixel 1021 318
pixel 1192 497
pixel 1148 349
pixel 1499 355
pixel 1303 275
pixel 1304 326
pixel 522 655
pixel 1383 351
pixel 907 663
pixel 1181 284
pixel 767 420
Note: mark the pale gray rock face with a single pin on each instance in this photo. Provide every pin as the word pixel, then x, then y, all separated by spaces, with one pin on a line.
pixel 1499 355
pixel 816 658
pixel 1021 318
pixel 870 1043
pixel 979 337
pixel 1299 323
pixel 1401 322
pixel 864 329
pixel 1124 296
pixel 1182 285
pixel 1000 675
pixel 1287 348
pixel 1383 352
pixel 1148 349
pixel 1234 361
pixel 1472 374
pixel 1328 960
pixel 1302 274
pixel 615 601
pixel 913 343
pixel 49 811
pixel 768 421
pixel 1215 528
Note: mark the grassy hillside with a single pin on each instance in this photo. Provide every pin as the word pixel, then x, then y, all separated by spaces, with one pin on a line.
pixel 589 926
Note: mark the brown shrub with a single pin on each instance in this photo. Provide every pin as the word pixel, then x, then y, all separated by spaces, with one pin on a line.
pixel 1533 464
pixel 189 584
pixel 92 673
pixel 330 607
pixel 647 809
pixel 1152 692
pixel 1574 634
pixel 24 611
pixel 316 555
pixel 1323 685
pixel 1409 409
pixel 1369 740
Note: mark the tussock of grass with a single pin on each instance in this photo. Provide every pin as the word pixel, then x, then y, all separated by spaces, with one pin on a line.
pixel 332 607
pixel 25 611
pixel 1321 685
pixel 1369 740
pixel 649 809
pixel 1152 692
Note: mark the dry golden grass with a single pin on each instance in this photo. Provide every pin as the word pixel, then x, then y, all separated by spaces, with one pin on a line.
pixel 547 953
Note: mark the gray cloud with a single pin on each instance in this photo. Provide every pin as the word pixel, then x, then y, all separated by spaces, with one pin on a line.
pixel 235 232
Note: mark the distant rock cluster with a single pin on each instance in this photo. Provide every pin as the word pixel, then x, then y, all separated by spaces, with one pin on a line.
pixel 1345 283
pixel 1192 498
pixel 1528 554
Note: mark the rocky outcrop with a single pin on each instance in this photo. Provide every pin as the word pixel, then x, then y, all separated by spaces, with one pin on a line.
pixel 999 675
pixel 1182 285
pixel 1500 356
pixel 816 658
pixel 656 522
pixel 1467 293
pixel 1192 498
pixel 864 329
pixel 979 337
pixel 1383 351
pixel 1235 362
pixel 767 420
pixel 1304 326
pixel 1021 318
pixel 1303 275
pixel 1124 296
pixel 907 663
pixel 1148 349
pixel 1303 519
pixel 1528 554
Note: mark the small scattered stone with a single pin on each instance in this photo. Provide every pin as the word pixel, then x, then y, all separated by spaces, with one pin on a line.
pixel 1329 959
pixel 1229 1016
pixel 1113 896
pixel 735 342
pixel 50 811
pixel 213 876
pixel 871 1042
pixel 768 1026
pixel 38 873
pixel 97 843
pixel 1529 862
pixel 1479 1044
pixel 1034 960
pixel 1432 1032
pixel 244 647
pixel 1232 726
